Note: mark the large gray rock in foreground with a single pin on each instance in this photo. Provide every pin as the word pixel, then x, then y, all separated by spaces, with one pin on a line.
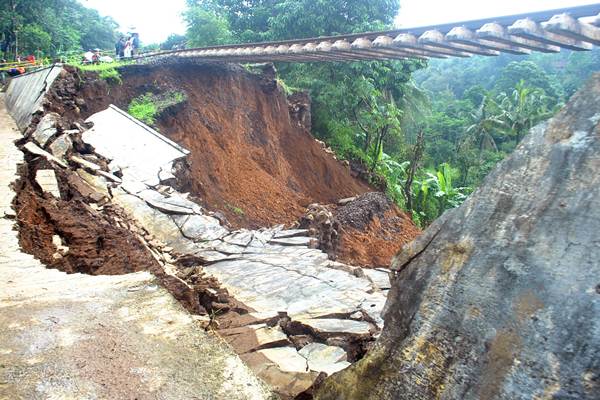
pixel 500 299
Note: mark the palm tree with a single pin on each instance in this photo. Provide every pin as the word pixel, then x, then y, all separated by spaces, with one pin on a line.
pixel 524 108
pixel 483 125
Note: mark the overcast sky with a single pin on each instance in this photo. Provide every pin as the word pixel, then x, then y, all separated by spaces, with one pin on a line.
pixel 155 20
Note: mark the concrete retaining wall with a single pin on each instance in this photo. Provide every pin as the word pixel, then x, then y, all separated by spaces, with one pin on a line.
pixel 26 92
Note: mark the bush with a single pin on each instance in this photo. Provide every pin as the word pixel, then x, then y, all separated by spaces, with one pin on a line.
pixel 111 75
pixel 144 109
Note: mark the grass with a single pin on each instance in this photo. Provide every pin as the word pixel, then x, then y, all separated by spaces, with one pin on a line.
pixel 236 210
pixel 147 106
pixel 107 71
pixel 144 109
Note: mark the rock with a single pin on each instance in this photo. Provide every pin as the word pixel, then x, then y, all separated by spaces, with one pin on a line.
pixel 323 358
pixel 35 149
pixel 343 202
pixel 499 298
pixel 46 178
pixel 61 249
pixel 61 146
pixel 46 129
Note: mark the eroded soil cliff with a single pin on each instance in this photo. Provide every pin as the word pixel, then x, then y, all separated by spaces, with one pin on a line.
pixel 253 160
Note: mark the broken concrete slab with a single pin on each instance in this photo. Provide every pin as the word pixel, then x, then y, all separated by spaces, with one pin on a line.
pixel 290 383
pixel 141 151
pixel 109 176
pixel 250 338
pixel 85 163
pixel 35 149
pixel 199 227
pixel 294 241
pixel 45 129
pixel 335 326
pixel 242 238
pixel 286 358
pixel 288 233
pixel 324 358
pixel 46 178
pixel 172 203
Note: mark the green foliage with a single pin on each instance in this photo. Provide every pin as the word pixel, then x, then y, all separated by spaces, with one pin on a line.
pixel 51 27
pixel 144 109
pixel 111 75
pixel 172 41
pixel 236 210
pixel 205 27
pixel 34 40
pixel 148 106
pixel 107 71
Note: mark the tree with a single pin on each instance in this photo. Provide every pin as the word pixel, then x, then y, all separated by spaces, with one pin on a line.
pixel 483 126
pixel 206 28
pixel 524 108
pixel 529 72
pixel 174 40
pixel 52 27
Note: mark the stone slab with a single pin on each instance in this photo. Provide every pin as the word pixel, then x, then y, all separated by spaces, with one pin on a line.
pixel 46 178
pixel 323 358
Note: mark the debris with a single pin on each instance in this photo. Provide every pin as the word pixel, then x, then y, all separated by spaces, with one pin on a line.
pixel 61 145
pixel 35 149
pixel 85 163
pixel 46 129
pixel 46 178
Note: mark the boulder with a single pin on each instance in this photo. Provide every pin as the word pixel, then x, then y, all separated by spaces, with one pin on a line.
pixel 500 298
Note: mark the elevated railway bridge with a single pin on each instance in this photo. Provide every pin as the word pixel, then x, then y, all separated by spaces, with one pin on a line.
pixel 575 28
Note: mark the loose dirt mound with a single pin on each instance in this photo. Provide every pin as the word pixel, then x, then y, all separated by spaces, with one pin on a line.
pixel 249 159
pixel 366 231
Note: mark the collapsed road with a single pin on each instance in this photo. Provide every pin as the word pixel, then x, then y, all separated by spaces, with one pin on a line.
pixel 100 197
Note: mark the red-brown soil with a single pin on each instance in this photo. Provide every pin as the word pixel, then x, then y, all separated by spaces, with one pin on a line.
pixel 97 245
pixel 367 231
pixel 249 159
pixel 375 245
